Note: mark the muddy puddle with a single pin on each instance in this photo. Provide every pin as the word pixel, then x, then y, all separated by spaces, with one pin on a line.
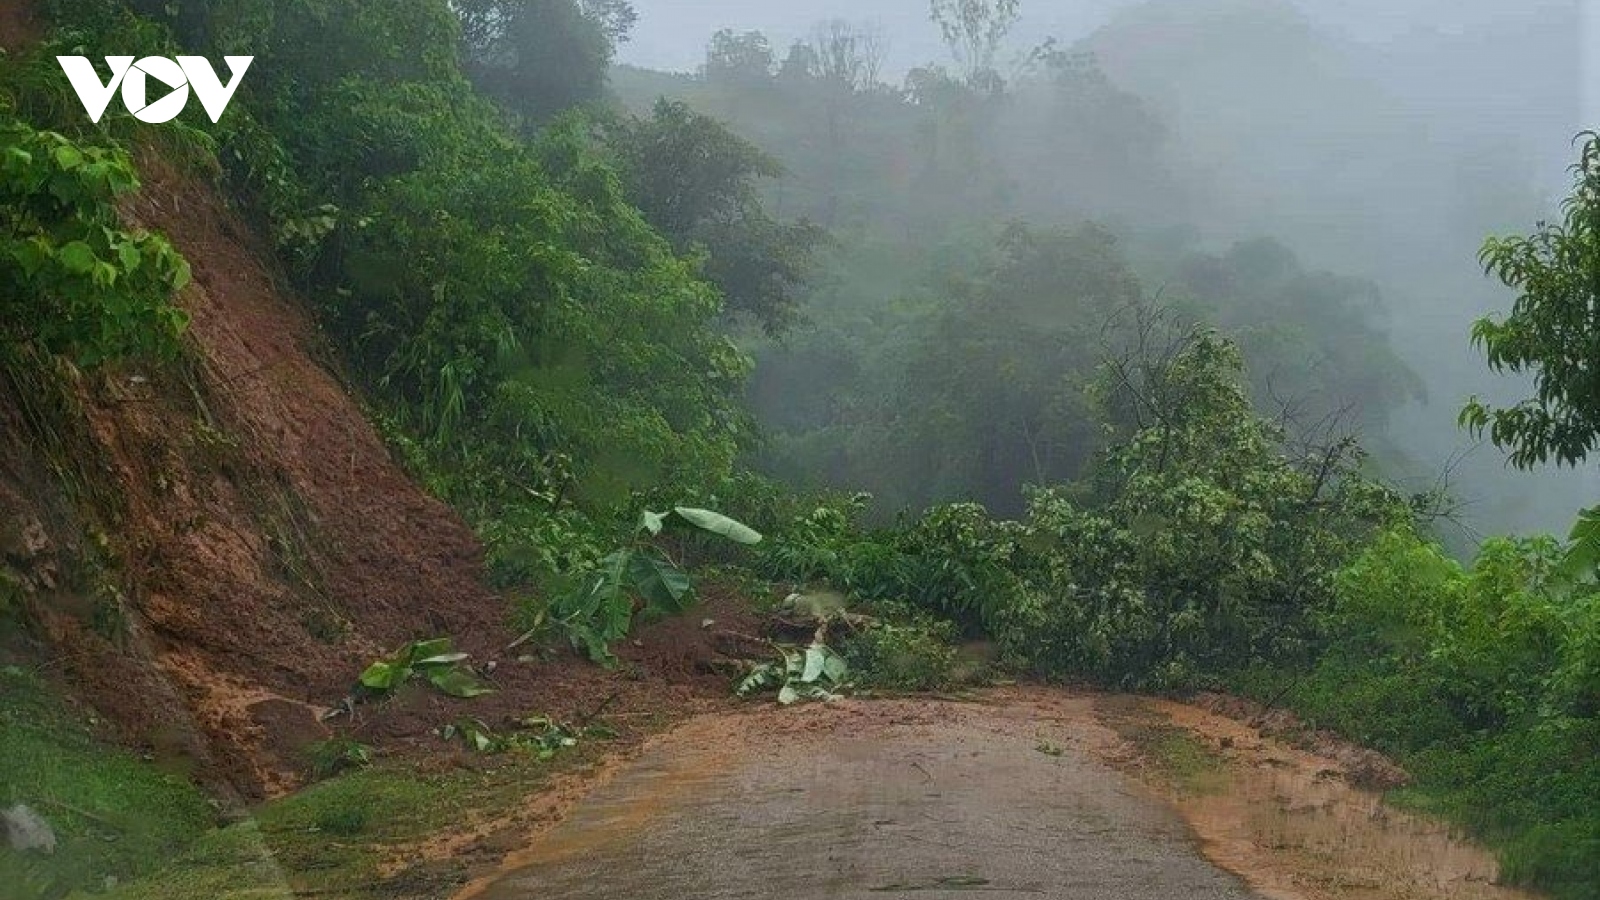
pixel 1030 793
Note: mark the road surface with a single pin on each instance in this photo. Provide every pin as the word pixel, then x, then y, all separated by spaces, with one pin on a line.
pixel 874 801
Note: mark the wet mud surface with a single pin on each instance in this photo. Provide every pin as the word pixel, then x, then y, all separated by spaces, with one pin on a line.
pixel 887 799
pixel 1031 792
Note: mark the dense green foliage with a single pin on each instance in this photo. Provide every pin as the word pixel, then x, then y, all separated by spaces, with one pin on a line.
pixel 697 182
pixel 1550 331
pixel 943 349
pixel 1202 541
pixel 1198 542
pixel 914 655
pixel 541 57
pixel 1485 682
pixel 73 278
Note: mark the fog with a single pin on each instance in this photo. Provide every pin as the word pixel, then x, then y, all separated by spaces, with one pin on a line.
pixel 1381 140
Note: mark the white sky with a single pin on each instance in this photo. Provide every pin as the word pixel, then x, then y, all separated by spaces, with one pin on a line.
pixel 672 34
pixel 1591 62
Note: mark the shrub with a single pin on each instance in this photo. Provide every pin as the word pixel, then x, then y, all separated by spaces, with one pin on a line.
pixel 1201 544
pixel 1466 674
pixel 914 654
pixel 73 279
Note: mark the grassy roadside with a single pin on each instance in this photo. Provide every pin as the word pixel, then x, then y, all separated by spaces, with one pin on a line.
pixel 1293 818
pixel 1524 787
pixel 1174 754
pixel 129 829
pixel 112 812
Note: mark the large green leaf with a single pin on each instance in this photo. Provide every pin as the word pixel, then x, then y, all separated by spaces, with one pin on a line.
pixel 597 649
pixel 834 668
pixel 816 657
pixel 77 257
pixel 652 522
pixel 418 650
pixel 718 524
pixel 1582 558
pixel 600 602
pixel 458 683
pixel 384 676
pixel 443 659
pixel 433 659
pixel 658 582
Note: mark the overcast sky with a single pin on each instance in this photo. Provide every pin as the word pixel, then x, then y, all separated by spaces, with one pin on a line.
pixel 1591 62
pixel 672 34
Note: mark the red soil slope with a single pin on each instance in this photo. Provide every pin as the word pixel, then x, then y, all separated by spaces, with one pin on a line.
pixel 262 540
pixel 212 551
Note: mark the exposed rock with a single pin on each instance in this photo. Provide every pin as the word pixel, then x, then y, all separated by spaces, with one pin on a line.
pixel 27 830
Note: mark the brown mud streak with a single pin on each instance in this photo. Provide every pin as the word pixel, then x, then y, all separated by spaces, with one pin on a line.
pixel 1295 825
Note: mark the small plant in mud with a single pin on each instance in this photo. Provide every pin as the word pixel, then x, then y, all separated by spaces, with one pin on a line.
pixel 811 673
pixel 435 661
pixel 640 577
pixel 335 755
pixel 541 736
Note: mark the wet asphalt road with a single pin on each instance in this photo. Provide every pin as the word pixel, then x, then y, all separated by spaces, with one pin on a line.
pixel 920 809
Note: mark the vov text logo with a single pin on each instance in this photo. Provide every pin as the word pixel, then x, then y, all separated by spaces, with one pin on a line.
pixel 175 77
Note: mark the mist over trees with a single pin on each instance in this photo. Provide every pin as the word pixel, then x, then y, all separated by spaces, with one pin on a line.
pixel 1134 351
pixel 1184 129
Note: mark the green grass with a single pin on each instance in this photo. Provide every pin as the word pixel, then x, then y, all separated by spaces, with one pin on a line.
pixel 332 838
pixel 335 837
pixel 115 815
pixel 1184 760
pixel 128 830
pixel 1529 789
pixel 1190 764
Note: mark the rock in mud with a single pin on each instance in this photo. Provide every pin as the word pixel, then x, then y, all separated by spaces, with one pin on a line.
pixel 27 830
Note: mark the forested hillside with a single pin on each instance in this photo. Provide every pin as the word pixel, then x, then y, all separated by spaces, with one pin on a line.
pixel 1188 130
pixel 397 360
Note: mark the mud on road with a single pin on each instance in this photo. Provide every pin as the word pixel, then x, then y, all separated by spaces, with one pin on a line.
pixel 1028 792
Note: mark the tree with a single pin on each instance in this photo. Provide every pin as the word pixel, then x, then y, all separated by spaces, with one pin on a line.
pixel 696 181
pixel 1315 341
pixel 738 58
pixel 540 57
pixel 1553 331
pixel 615 17
pixel 998 383
pixel 800 65
pixel 974 31
pixel 848 55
